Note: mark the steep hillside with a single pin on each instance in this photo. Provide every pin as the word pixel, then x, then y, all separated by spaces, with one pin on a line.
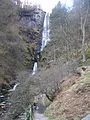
pixel 20 42
pixel 73 100
pixel 20 38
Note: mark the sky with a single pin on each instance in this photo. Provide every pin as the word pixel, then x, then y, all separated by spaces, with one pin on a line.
pixel 47 5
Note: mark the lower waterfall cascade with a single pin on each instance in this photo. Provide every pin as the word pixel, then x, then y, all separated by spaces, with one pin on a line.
pixel 45 39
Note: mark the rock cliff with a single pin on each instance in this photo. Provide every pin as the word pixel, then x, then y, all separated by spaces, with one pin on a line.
pixel 32 19
pixel 20 41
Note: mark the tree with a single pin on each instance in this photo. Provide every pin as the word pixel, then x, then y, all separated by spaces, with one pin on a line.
pixel 83 24
pixel 68 31
pixel 83 12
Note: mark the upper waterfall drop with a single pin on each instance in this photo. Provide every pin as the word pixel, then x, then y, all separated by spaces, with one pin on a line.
pixel 45 38
pixel 46 30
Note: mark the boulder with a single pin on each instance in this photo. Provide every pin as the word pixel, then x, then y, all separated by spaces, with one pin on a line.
pixel 87 117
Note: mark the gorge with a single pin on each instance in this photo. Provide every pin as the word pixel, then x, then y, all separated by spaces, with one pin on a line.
pixel 42 73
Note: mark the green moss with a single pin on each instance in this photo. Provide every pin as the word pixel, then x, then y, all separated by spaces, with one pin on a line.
pixel 88 53
pixel 47 101
pixel 87 76
pixel 76 118
pixel 88 85
pixel 86 79
pixel 49 113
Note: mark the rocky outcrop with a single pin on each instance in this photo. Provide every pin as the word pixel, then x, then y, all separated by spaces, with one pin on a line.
pixel 20 41
pixel 32 19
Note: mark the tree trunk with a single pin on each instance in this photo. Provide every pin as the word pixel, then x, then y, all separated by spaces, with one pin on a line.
pixel 83 44
pixel 83 32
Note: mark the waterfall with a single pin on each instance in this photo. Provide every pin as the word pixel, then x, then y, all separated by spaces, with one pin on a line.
pixel 14 88
pixel 34 68
pixel 45 38
pixel 45 34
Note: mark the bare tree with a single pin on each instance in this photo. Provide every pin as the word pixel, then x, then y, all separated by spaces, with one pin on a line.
pixel 83 23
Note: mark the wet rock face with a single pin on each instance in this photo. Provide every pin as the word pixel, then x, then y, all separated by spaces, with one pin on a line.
pixel 4 89
pixel 3 98
pixel 32 19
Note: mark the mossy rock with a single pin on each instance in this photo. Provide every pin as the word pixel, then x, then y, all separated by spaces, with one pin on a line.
pixel 47 101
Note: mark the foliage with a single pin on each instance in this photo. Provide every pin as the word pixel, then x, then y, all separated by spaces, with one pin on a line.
pixel 16 50
pixel 47 102
pixel 49 113
pixel 87 76
pixel 66 34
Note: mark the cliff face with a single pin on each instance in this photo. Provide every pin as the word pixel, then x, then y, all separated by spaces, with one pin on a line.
pixel 20 38
pixel 20 41
pixel 32 20
pixel 32 17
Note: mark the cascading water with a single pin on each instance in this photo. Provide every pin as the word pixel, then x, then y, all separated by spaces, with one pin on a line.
pixel 34 68
pixel 14 88
pixel 45 34
pixel 45 38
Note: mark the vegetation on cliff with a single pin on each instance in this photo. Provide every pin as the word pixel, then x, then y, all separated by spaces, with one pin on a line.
pixel 18 43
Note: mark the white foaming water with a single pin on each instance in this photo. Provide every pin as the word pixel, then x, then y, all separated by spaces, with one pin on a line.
pixel 34 68
pixel 46 30
pixel 14 88
pixel 45 38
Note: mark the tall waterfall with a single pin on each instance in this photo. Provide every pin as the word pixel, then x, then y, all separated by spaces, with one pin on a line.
pixel 45 38
pixel 45 34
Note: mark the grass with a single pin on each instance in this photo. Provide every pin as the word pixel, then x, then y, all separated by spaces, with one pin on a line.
pixel 50 114
pixel 87 78
pixel 47 101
